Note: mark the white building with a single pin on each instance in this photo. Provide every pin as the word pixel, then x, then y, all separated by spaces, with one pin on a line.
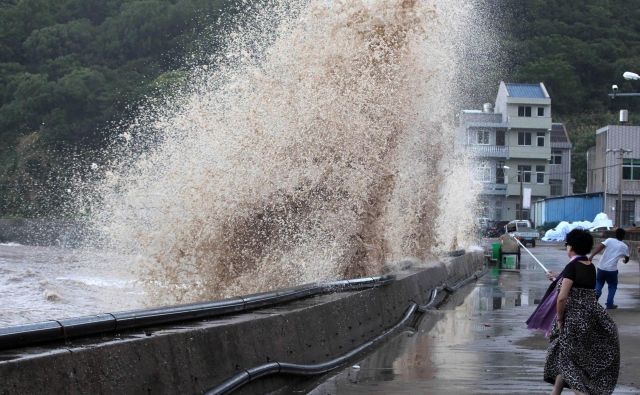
pixel 512 143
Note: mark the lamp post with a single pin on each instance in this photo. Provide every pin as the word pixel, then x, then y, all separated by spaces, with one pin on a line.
pixel 629 76
pixel 520 215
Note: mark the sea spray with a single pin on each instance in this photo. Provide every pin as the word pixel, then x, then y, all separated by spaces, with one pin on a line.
pixel 317 144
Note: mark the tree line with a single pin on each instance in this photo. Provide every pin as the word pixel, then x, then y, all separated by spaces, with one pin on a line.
pixel 71 68
pixel 579 49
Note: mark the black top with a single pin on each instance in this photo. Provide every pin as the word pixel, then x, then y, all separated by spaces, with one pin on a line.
pixel 583 276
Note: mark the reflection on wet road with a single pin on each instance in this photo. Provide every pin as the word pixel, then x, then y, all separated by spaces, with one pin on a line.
pixel 476 343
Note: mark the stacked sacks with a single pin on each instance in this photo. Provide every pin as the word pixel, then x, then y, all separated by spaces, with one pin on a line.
pixel 560 232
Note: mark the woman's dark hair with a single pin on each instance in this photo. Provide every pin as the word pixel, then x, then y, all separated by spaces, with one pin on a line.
pixel 580 240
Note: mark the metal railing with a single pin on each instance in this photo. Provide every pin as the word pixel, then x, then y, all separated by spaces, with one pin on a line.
pixel 113 323
pixel 488 151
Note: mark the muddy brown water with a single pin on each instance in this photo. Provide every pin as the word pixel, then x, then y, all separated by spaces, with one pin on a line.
pixel 45 283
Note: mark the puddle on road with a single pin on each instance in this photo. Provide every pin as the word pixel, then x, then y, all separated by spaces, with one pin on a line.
pixel 476 343
pixel 466 347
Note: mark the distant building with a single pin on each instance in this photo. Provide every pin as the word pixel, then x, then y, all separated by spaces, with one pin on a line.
pixel 603 170
pixel 560 181
pixel 512 142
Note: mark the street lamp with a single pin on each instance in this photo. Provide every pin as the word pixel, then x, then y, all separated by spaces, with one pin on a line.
pixel 628 75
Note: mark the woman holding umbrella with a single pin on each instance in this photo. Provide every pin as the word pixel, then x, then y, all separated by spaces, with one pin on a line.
pixel 584 350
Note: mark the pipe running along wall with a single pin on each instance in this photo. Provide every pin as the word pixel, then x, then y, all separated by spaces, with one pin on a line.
pixel 237 381
pixel 194 355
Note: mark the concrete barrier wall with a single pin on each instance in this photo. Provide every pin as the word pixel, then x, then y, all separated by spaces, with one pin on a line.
pixel 195 356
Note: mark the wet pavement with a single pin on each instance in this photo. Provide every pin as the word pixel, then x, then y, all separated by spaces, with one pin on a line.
pixel 478 343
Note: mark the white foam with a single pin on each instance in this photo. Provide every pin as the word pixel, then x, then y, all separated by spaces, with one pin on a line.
pixel 319 145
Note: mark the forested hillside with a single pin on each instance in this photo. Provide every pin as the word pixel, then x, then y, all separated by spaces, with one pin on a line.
pixel 578 48
pixel 71 68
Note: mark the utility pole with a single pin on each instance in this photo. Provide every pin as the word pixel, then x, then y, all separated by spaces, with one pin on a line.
pixel 521 176
pixel 620 152
pixel 606 186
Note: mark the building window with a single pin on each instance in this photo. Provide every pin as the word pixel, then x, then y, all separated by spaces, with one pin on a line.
pixel 524 138
pixel 556 187
pixel 540 174
pixel 631 169
pixel 497 215
pixel 500 140
pixel 556 157
pixel 540 137
pixel 521 214
pixel 628 207
pixel 483 172
pixel 541 111
pixel 482 137
pixel 500 172
pixel 524 173
pixel 524 111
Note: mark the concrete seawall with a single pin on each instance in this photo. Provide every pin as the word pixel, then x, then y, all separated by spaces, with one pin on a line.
pixel 194 356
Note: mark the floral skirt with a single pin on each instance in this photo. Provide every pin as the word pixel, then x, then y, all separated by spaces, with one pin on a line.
pixel 587 352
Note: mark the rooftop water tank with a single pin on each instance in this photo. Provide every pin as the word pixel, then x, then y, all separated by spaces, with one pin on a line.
pixel 624 116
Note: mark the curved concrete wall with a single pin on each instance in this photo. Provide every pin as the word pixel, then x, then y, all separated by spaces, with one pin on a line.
pixel 197 355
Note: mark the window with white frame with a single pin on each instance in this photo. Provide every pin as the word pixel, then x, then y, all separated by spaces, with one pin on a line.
pixel 631 169
pixel 500 172
pixel 524 111
pixel 539 174
pixel 524 138
pixel 540 138
pixel 627 214
pixel 483 172
pixel 482 137
pixel 541 111
pixel 555 187
pixel 524 173
pixel 497 214
pixel 556 157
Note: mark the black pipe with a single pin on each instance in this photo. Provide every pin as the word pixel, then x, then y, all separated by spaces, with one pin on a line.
pixel 62 330
pixel 456 253
pixel 433 302
pixel 246 376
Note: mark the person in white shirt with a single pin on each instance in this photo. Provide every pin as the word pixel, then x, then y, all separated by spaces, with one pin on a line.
pixel 614 249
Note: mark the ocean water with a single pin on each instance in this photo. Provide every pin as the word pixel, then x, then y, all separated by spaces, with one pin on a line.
pixel 317 142
pixel 43 283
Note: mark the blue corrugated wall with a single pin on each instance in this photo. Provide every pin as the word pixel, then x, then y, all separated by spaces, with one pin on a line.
pixel 573 208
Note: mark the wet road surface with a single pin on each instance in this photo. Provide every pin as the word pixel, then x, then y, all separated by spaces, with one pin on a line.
pixel 478 343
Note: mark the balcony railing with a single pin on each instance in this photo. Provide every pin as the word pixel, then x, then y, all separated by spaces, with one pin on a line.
pixel 494 189
pixel 488 151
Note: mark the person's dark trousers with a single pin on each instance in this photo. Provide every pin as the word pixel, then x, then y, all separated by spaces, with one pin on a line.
pixel 611 278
